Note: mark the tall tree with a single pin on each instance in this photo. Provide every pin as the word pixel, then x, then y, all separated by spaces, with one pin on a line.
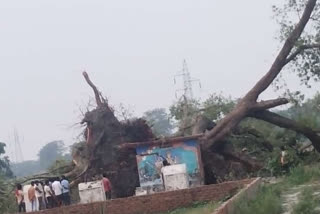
pixel 159 121
pixel 51 152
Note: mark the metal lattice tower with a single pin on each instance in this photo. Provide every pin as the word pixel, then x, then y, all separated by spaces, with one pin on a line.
pixel 187 96
pixel 187 82
pixel 17 147
pixel 188 93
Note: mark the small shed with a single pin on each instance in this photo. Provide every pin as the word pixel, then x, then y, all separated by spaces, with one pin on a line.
pixel 175 154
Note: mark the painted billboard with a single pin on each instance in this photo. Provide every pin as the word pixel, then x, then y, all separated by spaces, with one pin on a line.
pixel 150 160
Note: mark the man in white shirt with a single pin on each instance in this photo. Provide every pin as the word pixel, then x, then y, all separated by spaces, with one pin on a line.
pixel 49 195
pixel 57 189
pixel 39 195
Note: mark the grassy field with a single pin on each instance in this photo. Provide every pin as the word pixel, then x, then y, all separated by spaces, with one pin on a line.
pixel 269 200
pixel 198 208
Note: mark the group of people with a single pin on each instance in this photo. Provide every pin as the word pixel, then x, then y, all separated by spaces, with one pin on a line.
pixel 44 195
pixel 51 193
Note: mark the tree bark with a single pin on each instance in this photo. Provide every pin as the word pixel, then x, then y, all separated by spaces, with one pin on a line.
pixel 97 94
pixel 248 104
pixel 283 122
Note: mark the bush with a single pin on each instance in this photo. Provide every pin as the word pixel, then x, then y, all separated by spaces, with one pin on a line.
pixel 303 174
pixel 274 165
pixel 7 199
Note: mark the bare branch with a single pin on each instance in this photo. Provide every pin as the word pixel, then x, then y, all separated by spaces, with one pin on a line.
pixel 267 104
pixel 300 49
pixel 94 88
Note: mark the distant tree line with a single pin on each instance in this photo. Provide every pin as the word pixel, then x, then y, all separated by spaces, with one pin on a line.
pixel 47 156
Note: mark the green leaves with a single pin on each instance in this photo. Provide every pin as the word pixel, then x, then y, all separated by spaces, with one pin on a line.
pixel 216 106
pixel 51 152
pixel 159 121
pixel 305 65
pixel 4 162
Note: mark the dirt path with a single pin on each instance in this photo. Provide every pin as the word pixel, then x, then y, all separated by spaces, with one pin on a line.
pixel 291 197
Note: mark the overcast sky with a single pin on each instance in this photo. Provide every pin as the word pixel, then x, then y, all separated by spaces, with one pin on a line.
pixel 131 50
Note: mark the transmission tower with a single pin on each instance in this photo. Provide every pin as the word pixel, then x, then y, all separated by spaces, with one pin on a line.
pixel 17 147
pixel 187 95
pixel 187 82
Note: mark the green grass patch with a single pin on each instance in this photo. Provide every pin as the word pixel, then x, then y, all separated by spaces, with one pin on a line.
pixel 307 202
pixel 267 201
pixel 303 174
pixel 197 208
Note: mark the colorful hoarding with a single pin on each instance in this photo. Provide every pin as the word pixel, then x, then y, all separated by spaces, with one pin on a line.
pixel 150 161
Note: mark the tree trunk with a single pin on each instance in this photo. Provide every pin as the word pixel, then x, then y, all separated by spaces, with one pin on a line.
pixel 248 104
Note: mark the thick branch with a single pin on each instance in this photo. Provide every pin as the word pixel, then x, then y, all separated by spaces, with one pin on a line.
pixel 95 90
pixel 247 104
pixel 300 49
pixel 267 104
pixel 289 124
pixel 281 59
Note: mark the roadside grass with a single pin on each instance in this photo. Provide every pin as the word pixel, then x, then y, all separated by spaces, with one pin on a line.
pixel 197 208
pixel 303 174
pixel 269 201
pixel 308 202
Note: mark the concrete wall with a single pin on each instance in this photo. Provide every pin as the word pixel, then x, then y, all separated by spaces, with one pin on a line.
pixel 155 203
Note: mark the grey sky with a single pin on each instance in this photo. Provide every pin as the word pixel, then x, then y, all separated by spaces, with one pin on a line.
pixel 131 49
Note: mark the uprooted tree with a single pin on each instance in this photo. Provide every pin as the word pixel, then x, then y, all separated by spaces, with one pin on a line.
pixel 104 133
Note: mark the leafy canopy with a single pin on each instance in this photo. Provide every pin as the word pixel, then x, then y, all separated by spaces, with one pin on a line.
pixel 305 65
pixel 159 121
pixel 4 162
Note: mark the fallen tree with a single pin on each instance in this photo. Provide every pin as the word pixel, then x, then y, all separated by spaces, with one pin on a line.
pixel 249 105
pixel 104 133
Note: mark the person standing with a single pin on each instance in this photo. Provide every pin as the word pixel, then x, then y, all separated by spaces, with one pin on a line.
pixel 57 189
pixel 283 156
pixel 65 191
pixel 32 197
pixel 107 186
pixel 20 199
pixel 48 195
pixel 39 194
